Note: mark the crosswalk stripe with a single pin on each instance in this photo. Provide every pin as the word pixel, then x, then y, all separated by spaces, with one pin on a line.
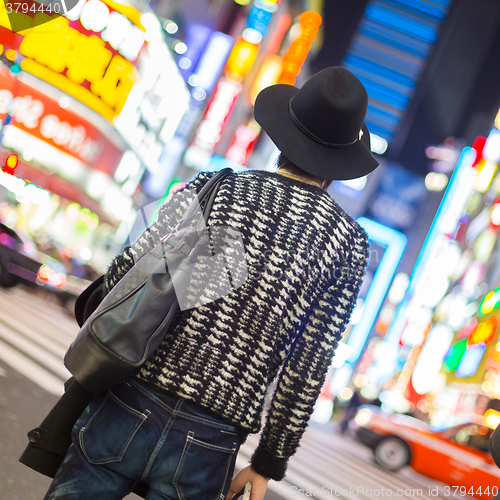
pixel 343 463
pixel 36 307
pixel 52 362
pixel 41 340
pixel 58 334
pixel 36 337
pixel 363 475
pixel 31 370
pixel 317 440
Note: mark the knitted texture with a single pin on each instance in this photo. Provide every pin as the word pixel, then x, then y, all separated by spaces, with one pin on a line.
pixel 305 259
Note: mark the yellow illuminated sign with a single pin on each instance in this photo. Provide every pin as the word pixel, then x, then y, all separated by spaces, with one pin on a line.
pixel 241 59
pixel 268 75
pixel 51 47
pixel 49 53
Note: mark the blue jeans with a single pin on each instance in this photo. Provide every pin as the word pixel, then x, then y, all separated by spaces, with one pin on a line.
pixel 135 433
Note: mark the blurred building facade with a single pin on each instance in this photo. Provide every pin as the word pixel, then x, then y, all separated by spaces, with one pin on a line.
pixel 149 93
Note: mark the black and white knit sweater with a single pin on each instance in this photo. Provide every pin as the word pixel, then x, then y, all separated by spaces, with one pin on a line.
pixel 306 259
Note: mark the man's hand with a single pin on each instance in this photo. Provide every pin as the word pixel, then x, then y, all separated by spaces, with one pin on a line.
pixel 259 484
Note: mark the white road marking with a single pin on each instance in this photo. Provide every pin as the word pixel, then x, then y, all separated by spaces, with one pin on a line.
pixel 31 370
pixel 47 359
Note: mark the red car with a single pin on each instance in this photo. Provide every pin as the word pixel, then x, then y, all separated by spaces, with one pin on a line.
pixel 457 456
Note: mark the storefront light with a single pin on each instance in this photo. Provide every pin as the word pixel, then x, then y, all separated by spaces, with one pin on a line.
pixel 378 144
pixel 95 16
pixel 128 166
pixel 268 75
pixel 470 360
pixel 487 386
pixel 199 94
pixel 86 254
pixel 484 332
pixel 342 353
pixel 64 102
pixel 454 356
pixel 241 59
pixel 194 80
pixel 252 36
pixel 345 394
pixel 484 245
pixel 212 59
pixel 398 288
pixel 490 302
pixel 170 27
pixel 471 278
pixel 436 181
pixel 457 313
pixel 486 172
pixel 428 366
pixel 180 48
pixel 185 63
pixel 418 323
pixel 495 214
pixel 491 151
pixel 153 27
pixel 492 417
pixel 432 290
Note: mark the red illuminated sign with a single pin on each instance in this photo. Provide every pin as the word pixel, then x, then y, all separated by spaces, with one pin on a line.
pixel 44 118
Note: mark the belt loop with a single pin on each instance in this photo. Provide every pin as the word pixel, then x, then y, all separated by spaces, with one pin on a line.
pixel 178 405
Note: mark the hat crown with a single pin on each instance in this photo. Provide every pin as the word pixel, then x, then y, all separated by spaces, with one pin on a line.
pixel 331 106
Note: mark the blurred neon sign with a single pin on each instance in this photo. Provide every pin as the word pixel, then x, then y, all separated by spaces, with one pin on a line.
pixel 53 122
pixel 395 243
pixel 454 356
pixel 484 332
pixel 241 59
pixel 490 302
pixel 95 68
pixel 49 54
pixel 295 56
pixel 470 360
pixel 209 131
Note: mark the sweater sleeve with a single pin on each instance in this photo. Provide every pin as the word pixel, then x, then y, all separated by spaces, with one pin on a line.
pixel 169 214
pixel 304 371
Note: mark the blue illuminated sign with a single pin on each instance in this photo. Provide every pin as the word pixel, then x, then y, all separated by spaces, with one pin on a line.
pixel 388 54
pixel 470 360
pixel 395 243
pixel 259 17
pixel 447 208
pixel 219 162
pixel 213 59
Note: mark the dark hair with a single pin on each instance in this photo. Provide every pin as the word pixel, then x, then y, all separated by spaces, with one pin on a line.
pixel 283 162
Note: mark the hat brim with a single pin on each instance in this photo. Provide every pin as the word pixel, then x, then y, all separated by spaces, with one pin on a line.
pixel 328 162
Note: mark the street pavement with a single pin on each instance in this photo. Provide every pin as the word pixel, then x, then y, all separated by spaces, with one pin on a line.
pixel 34 335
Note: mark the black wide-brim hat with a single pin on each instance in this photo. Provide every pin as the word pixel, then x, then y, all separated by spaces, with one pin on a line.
pixel 320 127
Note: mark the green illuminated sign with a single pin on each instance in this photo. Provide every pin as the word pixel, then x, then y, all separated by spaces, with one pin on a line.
pixel 490 302
pixel 454 357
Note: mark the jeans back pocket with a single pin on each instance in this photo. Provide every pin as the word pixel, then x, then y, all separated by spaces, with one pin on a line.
pixel 204 468
pixel 110 430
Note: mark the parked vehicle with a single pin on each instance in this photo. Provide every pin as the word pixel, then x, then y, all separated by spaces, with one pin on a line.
pixel 458 456
pixel 22 262
pixel 17 265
